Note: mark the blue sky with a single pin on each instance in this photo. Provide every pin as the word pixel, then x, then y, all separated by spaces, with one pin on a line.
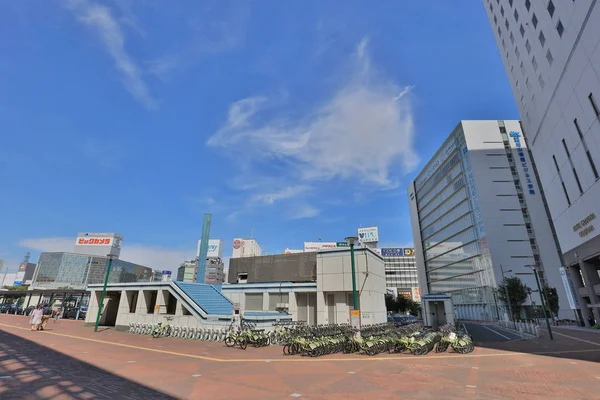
pixel 294 119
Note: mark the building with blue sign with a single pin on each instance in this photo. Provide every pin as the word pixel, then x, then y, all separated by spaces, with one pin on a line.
pixel 478 213
pixel 552 62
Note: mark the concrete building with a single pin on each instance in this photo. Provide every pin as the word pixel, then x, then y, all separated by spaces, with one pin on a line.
pixel 76 271
pixel 477 209
pixel 401 276
pixel 245 248
pixel 98 244
pixel 315 287
pixel 551 52
pixel 187 271
pixel 215 275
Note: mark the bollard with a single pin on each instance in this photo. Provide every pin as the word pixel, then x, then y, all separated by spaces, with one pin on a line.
pixel 521 332
pixel 537 331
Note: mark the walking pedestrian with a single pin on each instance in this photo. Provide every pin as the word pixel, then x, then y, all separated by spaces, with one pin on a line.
pixel 46 316
pixel 36 318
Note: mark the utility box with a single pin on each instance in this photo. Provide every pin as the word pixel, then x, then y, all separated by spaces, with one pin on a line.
pixel 438 309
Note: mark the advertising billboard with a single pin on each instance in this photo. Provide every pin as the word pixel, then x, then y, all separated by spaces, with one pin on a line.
pixel 368 235
pixel 416 294
pixel 314 246
pixel 397 252
pixel 215 248
pixel 404 292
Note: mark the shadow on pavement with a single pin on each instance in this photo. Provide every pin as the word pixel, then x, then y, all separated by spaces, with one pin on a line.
pixel 31 371
pixel 580 345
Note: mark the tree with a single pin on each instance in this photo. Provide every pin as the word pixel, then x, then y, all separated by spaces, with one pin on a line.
pixel 401 304
pixel 552 299
pixel 517 292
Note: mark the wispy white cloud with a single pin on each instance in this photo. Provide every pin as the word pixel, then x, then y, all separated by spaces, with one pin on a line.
pixel 150 256
pixel 99 19
pixel 305 211
pixel 288 192
pixel 364 132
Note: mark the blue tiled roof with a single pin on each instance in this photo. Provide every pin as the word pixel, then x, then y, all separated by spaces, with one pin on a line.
pixel 207 297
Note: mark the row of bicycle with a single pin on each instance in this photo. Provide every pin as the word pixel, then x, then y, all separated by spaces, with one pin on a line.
pixel 182 332
pixel 414 339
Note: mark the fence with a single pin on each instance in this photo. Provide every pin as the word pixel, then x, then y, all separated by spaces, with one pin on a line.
pixel 527 330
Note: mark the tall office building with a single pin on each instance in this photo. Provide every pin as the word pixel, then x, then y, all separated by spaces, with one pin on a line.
pixel 478 213
pixel 401 276
pixel 551 52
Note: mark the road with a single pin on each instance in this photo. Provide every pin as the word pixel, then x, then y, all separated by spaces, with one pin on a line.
pixel 489 333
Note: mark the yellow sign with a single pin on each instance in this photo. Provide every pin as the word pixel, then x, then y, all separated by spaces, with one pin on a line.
pixel 355 313
pixel 156 307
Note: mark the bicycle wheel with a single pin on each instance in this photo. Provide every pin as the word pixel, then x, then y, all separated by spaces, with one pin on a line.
pixel 155 334
pixel 229 341
pixel 243 344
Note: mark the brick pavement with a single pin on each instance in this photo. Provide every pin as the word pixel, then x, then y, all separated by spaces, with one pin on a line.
pixel 72 362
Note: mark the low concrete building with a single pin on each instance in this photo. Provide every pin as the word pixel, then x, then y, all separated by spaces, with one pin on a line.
pixel 312 287
pixel 191 305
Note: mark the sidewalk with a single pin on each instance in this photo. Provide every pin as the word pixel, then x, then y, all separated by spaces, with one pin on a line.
pixel 576 328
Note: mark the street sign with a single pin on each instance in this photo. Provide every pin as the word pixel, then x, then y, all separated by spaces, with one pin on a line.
pixel 355 318
pixel 17 283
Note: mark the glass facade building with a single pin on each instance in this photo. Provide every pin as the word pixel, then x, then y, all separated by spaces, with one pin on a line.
pixel 76 271
pixel 478 212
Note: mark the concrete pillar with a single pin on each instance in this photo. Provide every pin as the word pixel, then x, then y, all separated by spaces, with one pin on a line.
pixel 591 278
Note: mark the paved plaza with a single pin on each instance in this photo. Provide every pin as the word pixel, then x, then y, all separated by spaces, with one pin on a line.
pixel 70 361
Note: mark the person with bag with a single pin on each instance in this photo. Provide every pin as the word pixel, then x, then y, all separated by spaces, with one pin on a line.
pixel 36 318
pixel 47 313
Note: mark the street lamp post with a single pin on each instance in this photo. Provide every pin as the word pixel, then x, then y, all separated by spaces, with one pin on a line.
pixel 101 305
pixel 351 240
pixel 507 296
pixel 537 280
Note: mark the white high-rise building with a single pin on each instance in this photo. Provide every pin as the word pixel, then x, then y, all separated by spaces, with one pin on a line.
pixel 245 248
pixel 551 52
pixel 477 214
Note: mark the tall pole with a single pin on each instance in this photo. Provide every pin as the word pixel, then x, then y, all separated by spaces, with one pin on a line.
pixel 537 280
pixel 496 303
pixel 508 298
pixel 101 305
pixel 354 295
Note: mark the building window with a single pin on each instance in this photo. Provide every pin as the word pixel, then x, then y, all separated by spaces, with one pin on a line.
pixel 503 44
pixel 528 84
pixel 542 38
pixel 534 63
pixel 499 32
pixel 534 21
pixel 506 24
pixel 522 68
pixel 522 30
pixel 510 2
pixel 561 180
pixel 502 10
pixel 594 105
pixel 516 16
pixel 527 46
pixel 560 28
pixel 512 38
pixel 541 81
pixel 551 8
pixel 587 151
pixel 495 20
pixel 518 54
pixel 527 4
pixel 549 57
